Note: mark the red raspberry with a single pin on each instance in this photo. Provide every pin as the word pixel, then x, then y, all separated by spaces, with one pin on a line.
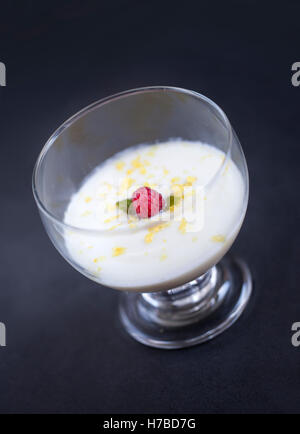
pixel 147 202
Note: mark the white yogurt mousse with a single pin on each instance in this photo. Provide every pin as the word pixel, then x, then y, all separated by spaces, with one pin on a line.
pixel 191 234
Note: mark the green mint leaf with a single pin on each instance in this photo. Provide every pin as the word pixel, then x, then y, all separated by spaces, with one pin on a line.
pixel 124 205
pixel 171 201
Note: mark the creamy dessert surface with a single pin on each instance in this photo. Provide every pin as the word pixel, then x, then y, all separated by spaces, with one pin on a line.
pixel 188 236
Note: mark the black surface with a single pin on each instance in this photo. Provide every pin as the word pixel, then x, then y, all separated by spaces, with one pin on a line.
pixel 65 350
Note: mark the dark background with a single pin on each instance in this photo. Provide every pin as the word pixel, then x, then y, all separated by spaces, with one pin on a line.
pixel 65 349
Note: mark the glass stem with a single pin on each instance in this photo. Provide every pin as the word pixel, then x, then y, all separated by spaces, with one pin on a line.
pixel 182 305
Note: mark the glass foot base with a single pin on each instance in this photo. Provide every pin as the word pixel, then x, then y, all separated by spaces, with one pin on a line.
pixel 191 314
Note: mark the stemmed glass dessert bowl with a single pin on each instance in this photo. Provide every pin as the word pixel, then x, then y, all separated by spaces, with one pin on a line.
pixel 145 192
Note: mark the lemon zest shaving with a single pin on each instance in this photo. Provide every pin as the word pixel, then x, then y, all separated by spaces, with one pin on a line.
pixel 120 165
pixel 117 251
pixel 182 226
pixel 218 238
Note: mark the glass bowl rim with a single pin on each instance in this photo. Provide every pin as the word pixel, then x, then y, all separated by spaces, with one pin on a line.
pixel 42 208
